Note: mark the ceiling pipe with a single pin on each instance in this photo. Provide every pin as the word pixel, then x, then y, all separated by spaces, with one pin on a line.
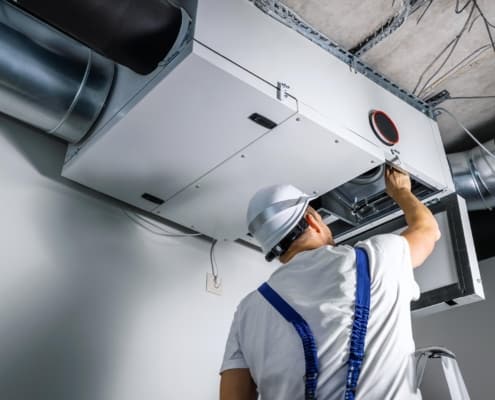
pixel 474 176
pixel 48 80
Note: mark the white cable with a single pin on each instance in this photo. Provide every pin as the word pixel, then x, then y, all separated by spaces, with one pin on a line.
pixel 213 262
pixel 466 130
pixel 159 227
pixel 142 221
pixel 139 219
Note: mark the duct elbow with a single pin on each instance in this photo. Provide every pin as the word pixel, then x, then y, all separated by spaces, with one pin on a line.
pixel 474 176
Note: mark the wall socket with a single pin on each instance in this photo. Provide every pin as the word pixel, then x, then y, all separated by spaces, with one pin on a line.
pixel 212 286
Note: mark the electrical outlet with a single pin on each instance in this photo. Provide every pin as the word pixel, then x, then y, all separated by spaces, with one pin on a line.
pixel 212 286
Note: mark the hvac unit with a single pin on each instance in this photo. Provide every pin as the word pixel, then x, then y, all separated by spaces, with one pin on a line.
pixel 243 101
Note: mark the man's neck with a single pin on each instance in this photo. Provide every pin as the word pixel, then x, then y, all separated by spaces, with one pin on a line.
pixel 291 253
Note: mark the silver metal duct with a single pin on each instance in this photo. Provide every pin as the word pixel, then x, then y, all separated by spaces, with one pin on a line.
pixel 474 176
pixel 48 80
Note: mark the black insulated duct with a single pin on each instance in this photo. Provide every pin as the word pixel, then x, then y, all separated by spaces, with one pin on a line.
pixel 135 33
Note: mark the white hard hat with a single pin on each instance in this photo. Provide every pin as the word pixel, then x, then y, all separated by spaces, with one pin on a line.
pixel 274 211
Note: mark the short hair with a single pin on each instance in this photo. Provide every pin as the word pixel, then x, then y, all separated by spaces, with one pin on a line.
pixel 287 245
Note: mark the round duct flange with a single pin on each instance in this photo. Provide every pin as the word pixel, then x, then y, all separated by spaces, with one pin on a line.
pixel 384 128
pixel 370 176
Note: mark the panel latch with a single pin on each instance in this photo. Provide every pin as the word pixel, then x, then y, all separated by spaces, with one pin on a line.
pixel 282 90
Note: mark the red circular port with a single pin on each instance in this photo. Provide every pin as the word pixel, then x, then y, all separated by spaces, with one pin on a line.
pixel 384 128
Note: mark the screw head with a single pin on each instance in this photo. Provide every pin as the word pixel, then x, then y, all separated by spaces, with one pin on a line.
pixel 197 186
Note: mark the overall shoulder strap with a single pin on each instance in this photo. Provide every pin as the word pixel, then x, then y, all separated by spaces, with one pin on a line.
pixel 305 334
pixel 360 324
pixel 358 335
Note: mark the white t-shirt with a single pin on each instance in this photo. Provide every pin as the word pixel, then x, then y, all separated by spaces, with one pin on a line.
pixel 320 285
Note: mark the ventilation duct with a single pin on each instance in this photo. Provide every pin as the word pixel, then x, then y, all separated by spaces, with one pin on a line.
pixel 474 176
pixel 135 33
pixel 48 80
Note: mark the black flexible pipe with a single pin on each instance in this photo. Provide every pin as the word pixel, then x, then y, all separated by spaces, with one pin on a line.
pixel 135 33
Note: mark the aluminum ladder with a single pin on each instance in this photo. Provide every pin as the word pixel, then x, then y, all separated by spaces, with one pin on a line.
pixel 455 381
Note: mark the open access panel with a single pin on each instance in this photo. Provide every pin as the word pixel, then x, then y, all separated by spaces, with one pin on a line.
pixel 450 277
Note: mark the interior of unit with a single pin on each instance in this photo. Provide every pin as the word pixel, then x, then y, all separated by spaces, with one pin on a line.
pixel 362 200
pixel 449 273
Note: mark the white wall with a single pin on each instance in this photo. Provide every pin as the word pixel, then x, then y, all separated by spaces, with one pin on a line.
pixel 93 306
pixel 468 331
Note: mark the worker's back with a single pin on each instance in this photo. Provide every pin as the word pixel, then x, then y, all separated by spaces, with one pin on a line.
pixel 321 284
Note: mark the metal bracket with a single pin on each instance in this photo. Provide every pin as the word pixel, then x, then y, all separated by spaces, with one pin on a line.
pixel 280 12
pixel 395 161
pixel 282 91
pixel 438 98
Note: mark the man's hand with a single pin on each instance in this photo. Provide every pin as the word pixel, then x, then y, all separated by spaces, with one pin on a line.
pixel 396 182
pixel 422 228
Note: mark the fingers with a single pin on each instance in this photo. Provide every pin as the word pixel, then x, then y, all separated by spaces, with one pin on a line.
pixel 390 170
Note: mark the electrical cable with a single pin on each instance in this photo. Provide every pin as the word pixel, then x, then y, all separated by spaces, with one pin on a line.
pixel 452 45
pixel 469 98
pixel 391 25
pixel 142 218
pixel 460 10
pixel 466 130
pixel 435 59
pixel 430 2
pixel 214 265
pixel 490 34
pixel 142 221
pixel 473 22
pixel 431 65
pixel 488 24
pixel 473 56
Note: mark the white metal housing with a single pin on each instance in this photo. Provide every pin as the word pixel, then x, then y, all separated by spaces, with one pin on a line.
pixel 183 136
pixel 190 143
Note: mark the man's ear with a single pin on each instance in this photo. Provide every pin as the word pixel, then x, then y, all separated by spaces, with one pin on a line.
pixel 313 223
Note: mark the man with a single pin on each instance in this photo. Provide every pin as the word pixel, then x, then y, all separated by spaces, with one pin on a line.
pixel 264 355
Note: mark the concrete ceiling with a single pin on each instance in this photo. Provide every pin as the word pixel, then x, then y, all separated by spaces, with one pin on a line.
pixel 405 54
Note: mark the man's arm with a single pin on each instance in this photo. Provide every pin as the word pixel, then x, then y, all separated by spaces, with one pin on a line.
pixel 422 228
pixel 237 384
